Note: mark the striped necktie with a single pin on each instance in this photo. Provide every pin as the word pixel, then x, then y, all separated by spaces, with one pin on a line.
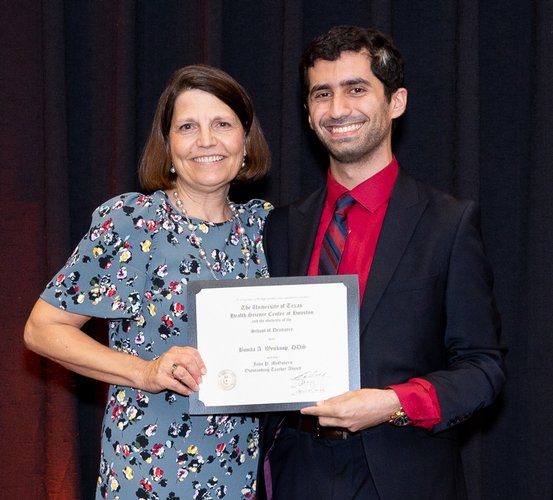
pixel 335 236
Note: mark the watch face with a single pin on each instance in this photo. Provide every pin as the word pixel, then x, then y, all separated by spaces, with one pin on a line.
pixel 402 420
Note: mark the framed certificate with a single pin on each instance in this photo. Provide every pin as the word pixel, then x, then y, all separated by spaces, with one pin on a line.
pixel 274 344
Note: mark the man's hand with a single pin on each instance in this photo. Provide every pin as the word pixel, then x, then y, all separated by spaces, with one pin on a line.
pixel 356 410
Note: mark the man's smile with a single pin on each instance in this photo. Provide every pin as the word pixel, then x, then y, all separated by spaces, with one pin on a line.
pixel 343 129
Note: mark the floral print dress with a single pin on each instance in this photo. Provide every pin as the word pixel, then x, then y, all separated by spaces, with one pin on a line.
pixel 132 267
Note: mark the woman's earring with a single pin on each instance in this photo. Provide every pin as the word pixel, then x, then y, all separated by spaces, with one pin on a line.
pixel 172 169
pixel 243 166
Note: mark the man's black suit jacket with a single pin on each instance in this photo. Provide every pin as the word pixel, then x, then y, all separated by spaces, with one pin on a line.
pixel 427 312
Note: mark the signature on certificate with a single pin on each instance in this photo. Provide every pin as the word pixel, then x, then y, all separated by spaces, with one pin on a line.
pixel 309 381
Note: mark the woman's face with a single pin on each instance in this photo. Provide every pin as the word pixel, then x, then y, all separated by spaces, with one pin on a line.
pixel 207 142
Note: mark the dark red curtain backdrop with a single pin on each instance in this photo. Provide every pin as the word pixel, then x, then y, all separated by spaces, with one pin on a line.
pixel 78 84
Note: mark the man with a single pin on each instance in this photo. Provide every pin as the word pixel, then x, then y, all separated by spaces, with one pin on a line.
pixel 429 349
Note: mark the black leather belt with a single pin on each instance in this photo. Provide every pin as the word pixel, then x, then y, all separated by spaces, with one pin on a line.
pixel 306 423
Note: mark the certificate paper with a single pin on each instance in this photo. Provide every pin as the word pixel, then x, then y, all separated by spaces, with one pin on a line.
pixel 274 344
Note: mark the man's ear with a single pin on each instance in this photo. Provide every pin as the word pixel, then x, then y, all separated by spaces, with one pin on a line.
pixel 398 103
pixel 308 116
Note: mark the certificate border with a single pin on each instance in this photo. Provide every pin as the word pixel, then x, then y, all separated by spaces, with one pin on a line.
pixel 350 281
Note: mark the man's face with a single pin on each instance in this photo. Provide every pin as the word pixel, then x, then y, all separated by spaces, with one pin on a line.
pixel 348 109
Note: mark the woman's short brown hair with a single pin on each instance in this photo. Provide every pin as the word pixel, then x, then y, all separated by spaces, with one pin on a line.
pixel 154 169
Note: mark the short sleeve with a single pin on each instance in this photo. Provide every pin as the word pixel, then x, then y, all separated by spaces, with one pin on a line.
pixel 105 275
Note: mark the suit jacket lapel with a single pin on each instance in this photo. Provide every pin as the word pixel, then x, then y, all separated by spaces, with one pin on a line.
pixel 404 211
pixel 304 222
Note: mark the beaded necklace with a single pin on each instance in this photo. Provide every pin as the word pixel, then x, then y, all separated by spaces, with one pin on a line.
pixel 197 241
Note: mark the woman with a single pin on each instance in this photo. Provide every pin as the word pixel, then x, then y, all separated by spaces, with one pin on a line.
pixel 133 266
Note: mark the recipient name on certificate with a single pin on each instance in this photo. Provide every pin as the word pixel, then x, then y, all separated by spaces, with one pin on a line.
pixel 274 344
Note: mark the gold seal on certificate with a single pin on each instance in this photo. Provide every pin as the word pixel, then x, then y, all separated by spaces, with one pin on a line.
pixel 275 344
pixel 226 380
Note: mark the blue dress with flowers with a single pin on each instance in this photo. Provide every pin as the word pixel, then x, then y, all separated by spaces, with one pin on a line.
pixel 132 267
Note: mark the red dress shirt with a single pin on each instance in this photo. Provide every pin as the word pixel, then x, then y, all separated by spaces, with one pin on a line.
pixel 417 396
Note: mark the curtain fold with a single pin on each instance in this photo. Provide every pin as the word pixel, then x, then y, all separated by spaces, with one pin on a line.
pixel 61 475
pixel 79 82
pixel 539 268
